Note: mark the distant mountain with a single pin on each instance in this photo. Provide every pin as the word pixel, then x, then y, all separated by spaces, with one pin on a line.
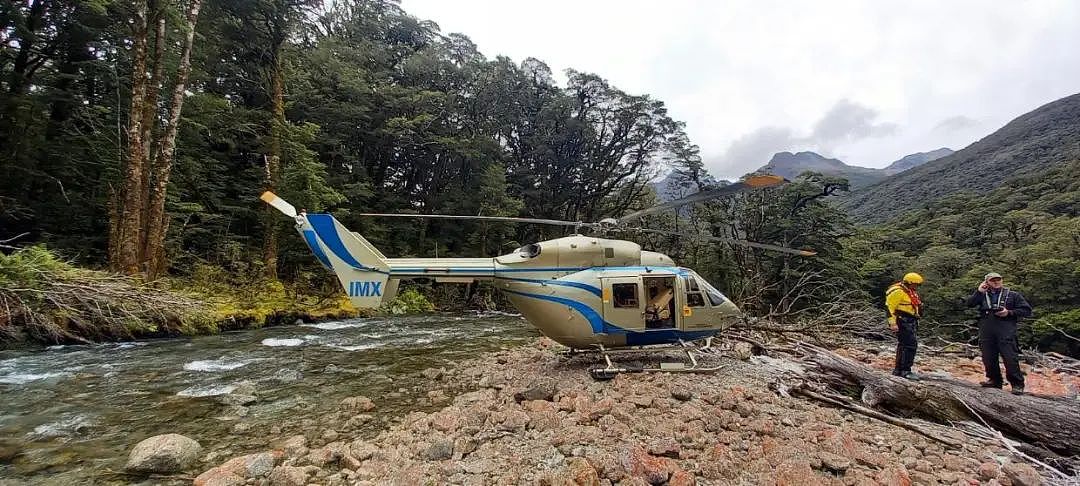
pixel 676 185
pixel 1032 144
pixel 915 160
pixel 790 165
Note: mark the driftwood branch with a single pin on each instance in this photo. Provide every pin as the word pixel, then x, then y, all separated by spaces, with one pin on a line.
pixel 846 404
pixel 1008 445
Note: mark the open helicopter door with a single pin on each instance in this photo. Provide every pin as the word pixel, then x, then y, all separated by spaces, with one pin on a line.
pixel 624 303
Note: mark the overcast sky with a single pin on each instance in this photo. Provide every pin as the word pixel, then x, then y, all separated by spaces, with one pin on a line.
pixel 864 81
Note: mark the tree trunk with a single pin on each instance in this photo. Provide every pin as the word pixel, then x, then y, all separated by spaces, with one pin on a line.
pixel 273 162
pixel 1049 422
pixel 21 71
pixel 149 119
pixel 158 222
pixel 129 207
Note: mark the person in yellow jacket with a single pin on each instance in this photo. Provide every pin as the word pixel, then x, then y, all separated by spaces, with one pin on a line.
pixel 904 306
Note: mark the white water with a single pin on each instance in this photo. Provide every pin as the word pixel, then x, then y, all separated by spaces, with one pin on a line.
pixel 84 406
pixel 215 365
pixel 206 391
pixel 275 342
pixel 22 378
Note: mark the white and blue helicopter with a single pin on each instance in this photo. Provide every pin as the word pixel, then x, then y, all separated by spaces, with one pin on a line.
pixel 584 292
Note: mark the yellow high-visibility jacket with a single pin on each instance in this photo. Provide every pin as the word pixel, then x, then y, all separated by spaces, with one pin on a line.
pixel 897 300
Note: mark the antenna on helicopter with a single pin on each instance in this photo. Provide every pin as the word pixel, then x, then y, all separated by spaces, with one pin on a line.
pixel 619 224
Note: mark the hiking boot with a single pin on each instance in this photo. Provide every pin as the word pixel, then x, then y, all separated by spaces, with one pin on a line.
pixel 912 376
pixel 897 373
pixel 990 384
pixel 1017 390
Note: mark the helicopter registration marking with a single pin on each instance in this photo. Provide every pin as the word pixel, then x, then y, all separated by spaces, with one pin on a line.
pixel 365 289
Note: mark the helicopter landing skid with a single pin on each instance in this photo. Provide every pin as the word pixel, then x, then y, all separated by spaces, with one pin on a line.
pixel 692 365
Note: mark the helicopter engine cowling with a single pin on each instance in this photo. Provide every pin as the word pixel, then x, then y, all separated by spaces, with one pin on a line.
pixel 576 251
pixel 654 259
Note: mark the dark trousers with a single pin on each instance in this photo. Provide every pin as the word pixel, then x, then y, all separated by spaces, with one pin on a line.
pixel 906 344
pixel 998 338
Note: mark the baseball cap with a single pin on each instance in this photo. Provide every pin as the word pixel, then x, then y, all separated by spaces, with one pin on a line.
pixel 992 275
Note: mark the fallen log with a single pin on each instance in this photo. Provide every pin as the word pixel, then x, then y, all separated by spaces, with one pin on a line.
pixel 1049 422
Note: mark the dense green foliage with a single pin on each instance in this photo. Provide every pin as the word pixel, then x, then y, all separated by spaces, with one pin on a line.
pixel 385 113
pixel 1028 230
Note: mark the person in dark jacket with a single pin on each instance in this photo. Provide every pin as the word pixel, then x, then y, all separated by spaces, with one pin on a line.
pixel 1000 308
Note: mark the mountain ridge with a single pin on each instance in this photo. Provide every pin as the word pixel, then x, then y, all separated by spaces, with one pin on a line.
pixel 789 165
pixel 1028 145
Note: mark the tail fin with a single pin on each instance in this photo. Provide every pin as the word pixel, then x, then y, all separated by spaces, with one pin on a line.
pixel 359 266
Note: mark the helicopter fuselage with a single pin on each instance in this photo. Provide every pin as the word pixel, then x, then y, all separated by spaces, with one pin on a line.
pixel 578 290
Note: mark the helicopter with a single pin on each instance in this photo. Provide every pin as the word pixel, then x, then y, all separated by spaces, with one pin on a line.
pixel 587 293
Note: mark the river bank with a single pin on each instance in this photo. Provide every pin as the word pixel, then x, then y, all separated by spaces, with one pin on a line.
pixel 530 416
pixel 45 300
pixel 72 413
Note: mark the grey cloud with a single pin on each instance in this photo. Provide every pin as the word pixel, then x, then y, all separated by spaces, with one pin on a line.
pixel 956 124
pixel 848 120
pixel 754 150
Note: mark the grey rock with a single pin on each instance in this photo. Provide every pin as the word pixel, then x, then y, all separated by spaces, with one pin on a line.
pixel 542 392
pixel 440 450
pixel 164 454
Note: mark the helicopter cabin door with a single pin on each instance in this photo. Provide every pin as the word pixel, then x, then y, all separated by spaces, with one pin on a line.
pixel 624 305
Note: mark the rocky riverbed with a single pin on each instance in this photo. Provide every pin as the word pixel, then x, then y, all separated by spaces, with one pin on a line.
pixel 531 416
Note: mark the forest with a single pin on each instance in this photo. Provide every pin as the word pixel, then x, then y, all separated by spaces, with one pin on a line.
pixel 136 136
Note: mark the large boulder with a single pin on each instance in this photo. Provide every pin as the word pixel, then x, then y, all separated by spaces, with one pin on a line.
pixel 1022 474
pixel 163 454
pixel 358 403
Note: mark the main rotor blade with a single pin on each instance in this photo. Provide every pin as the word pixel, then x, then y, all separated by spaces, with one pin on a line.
pixel 556 222
pixel 279 204
pixel 754 182
pixel 752 244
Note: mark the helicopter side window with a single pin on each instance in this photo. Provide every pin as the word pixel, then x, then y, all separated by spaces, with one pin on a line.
pixel 625 295
pixel 694 299
pixel 693 292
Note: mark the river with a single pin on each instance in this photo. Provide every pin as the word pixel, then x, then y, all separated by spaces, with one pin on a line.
pixel 70 414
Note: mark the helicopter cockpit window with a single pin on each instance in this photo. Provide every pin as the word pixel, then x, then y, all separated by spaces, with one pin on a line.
pixel 625 295
pixel 529 251
pixel 715 297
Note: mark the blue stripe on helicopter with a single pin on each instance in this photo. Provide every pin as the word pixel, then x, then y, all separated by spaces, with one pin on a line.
pixel 596 322
pixel 313 243
pixel 488 269
pixel 564 283
pixel 434 271
pixel 324 227
pixel 633 338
